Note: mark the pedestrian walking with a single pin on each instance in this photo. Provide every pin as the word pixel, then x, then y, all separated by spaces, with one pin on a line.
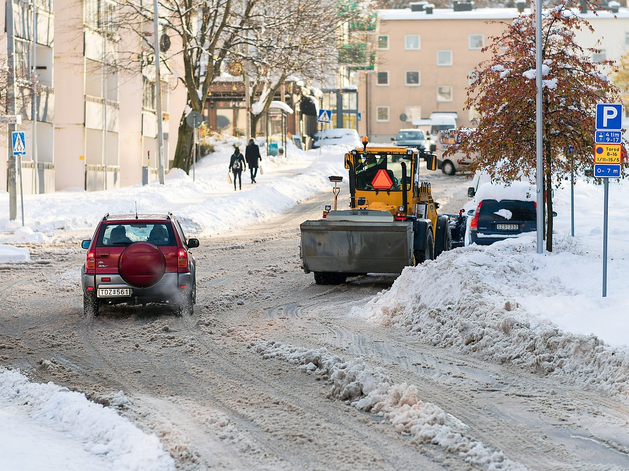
pixel 252 153
pixel 237 165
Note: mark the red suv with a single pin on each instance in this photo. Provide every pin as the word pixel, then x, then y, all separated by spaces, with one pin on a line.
pixel 139 259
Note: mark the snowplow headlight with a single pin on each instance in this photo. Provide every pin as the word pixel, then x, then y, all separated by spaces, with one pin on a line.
pixel 361 201
pixel 327 207
pixel 401 209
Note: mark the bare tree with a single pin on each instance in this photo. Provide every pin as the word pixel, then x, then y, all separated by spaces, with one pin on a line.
pixel 202 33
pixel 284 38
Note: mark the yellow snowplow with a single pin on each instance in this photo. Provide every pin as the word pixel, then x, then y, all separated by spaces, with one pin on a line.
pixel 391 223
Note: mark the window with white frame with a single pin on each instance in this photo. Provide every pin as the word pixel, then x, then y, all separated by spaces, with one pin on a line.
pixel 414 112
pixel 444 58
pixel 383 78
pixel 472 76
pixel 382 114
pixel 599 56
pixel 412 42
pixel 383 42
pixel 444 93
pixel 476 41
pixel 412 78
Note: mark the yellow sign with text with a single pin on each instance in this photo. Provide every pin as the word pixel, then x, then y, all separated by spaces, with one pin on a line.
pixel 607 154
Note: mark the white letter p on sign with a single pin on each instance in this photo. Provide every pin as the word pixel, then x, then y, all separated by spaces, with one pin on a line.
pixel 609 113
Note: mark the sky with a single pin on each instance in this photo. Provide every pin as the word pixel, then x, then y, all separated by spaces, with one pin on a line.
pixel 510 296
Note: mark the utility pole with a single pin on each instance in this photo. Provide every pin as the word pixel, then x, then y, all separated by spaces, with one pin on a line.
pixel 158 90
pixel 35 110
pixel 12 161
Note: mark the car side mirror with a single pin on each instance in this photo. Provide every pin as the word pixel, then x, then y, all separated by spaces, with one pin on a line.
pixel 471 192
pixel 85 244
pixel 393 138
pixel 192 243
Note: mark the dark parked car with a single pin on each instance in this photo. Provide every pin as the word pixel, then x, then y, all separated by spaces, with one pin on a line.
pixel 495 220
pixel 139 259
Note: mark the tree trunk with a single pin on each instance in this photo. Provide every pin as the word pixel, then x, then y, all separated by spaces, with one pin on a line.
pixel 183 153
pixel 255 119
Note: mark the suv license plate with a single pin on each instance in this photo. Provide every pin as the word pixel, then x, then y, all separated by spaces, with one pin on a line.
pixel 113 292
pixel 507 227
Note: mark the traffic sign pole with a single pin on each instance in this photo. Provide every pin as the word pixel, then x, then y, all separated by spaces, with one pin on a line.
pixel 605 225
pixel 607 161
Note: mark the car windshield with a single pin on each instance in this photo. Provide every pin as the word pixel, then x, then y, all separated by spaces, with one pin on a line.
pixel 382 172
pixel 507 210
pixel 410 136
pixel 117 234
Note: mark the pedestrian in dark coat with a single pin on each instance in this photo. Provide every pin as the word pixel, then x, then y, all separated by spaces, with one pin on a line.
pixel 252 153
pixel 237 165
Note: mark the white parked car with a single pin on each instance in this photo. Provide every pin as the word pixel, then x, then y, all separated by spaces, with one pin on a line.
pixel 337 136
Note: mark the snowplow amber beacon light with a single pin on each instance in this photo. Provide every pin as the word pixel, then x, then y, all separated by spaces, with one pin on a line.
pixel 365 140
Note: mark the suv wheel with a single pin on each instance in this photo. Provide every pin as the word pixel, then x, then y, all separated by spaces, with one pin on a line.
pixel 91 305
pixel 185 305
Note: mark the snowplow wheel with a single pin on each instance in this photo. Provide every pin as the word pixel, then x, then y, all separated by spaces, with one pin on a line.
pixel 427 253
pixel 322 278
pixel 444 236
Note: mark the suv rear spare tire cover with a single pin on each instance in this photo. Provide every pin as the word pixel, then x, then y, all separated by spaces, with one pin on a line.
pixel 142 264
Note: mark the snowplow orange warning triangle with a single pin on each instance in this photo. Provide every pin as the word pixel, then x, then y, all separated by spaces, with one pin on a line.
pixel 382 181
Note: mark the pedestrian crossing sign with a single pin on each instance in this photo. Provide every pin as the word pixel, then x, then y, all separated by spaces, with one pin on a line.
pixel 325 116
pixel 19 143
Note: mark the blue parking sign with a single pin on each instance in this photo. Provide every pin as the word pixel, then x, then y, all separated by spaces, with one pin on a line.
pixel 608 116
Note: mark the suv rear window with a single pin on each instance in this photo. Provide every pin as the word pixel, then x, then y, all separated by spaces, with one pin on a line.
pixel 112 235
pixel 507 210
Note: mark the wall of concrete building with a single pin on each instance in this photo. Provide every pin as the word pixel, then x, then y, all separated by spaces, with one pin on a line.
pixel 446 29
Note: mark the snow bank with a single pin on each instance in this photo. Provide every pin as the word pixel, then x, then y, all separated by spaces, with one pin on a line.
pixel 102 431
pixel 492 302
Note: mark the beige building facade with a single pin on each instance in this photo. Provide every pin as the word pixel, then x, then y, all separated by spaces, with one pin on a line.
pixel 425 57
pixel 96 120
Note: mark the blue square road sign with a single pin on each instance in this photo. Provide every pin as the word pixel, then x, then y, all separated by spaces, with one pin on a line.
pixel 608 117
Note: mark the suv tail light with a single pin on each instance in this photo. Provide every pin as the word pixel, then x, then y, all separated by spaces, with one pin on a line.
pixel 474 222
pixel 182 258
pixel 90 262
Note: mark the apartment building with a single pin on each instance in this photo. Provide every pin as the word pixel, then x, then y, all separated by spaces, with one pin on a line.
pixel 425 56
pixel 94 115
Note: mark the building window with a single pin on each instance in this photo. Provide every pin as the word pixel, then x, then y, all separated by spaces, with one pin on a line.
pixel 412 42
pixel 472 77
pixel 383 42
pixel 600 56
pixel 382 114
pixel 444 58
pixel 413 112
pixel 148 94
pixel 412 78
pixel 383 78
pixel 444 93
pixel 476 41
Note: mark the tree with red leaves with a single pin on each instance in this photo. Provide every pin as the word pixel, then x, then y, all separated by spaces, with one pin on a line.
pixel 504 95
